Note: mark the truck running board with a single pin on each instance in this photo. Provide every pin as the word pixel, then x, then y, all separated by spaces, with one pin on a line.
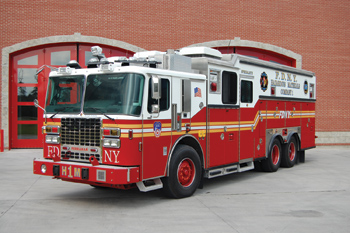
pixel 149 185
pixel 229 169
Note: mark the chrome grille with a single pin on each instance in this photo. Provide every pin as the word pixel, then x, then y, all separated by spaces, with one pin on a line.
pixel 81 131
pixel 77 156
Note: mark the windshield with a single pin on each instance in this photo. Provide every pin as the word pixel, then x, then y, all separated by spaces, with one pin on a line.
pixel 64 94
pixel 118 93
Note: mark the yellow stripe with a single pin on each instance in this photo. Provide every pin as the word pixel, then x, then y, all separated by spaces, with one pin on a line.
pixel 133 126
pixel 308 116
pixel 53 123
pixel 223 123
pixel 198 124
pixel 129 126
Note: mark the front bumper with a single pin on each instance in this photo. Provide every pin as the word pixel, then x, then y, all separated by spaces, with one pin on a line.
pixel 103 175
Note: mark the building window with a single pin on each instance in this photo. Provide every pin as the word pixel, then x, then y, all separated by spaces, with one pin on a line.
pixel 60 58
pixel 229 87
pixel 33 60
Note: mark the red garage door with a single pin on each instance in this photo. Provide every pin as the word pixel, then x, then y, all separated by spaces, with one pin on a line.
pixel 25 119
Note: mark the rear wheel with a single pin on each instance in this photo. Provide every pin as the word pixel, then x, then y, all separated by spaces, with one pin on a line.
pixel 273 161
pixel 184 173
pixel 290 151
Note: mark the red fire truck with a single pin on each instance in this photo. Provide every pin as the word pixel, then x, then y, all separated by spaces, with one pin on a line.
pixel 169 119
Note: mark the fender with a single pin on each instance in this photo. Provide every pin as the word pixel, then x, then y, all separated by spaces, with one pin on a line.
pixel 283 138
pixel 189 136
pixel 277 135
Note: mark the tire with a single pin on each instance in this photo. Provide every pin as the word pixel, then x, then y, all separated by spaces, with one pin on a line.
pixel 184 173
pixel 273 161
pixel 290 151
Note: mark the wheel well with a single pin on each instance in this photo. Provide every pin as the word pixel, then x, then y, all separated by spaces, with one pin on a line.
pixel 188 140
pixel 278 137
pixel 195 145
pixel 297 139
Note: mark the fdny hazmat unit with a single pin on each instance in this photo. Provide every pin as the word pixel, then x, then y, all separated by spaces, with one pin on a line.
pixel 169 119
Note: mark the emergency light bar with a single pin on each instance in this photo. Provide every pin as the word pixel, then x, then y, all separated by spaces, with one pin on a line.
pixel 96 50
pixel 65 70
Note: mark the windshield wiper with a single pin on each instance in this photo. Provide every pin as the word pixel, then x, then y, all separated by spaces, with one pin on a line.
pixel 99 110
pixel 61 110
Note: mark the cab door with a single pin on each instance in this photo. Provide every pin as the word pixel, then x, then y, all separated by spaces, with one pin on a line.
pixel 156 129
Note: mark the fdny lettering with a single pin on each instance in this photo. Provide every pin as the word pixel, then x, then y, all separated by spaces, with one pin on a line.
pixel 111 156
pixel 53 151
pixel 285 114
pixel 289 78
pixel 286 80
pixel 70 172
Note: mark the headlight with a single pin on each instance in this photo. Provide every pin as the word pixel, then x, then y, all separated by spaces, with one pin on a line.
pixel 52 139
pixel 43 168
pixel 115 143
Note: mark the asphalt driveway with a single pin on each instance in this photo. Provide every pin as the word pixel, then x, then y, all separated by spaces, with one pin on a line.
pixel 310 197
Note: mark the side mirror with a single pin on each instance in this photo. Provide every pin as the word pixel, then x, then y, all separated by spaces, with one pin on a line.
pixel 36 104
pixel 155 108
pixel 156 87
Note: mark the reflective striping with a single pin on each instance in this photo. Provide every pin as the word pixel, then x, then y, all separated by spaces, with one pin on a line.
pixel 219 127
pixel 52 123
pixel 213 127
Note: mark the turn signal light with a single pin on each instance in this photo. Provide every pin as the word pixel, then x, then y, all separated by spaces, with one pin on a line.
pixel 107 132
pixel 52 129
pixel 112 132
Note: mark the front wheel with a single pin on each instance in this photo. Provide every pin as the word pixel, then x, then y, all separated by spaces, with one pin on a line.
pixel 273 161
pixel 184 173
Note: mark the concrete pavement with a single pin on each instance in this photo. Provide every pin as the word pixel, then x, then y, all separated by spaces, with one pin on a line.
pixel 310 197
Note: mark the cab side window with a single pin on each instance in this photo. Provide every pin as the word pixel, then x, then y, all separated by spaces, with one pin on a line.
pixel 165 96
pixel 246 91
pixel 229 87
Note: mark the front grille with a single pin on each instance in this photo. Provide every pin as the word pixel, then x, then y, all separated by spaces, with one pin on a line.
pixel 77 156
pixel 81 131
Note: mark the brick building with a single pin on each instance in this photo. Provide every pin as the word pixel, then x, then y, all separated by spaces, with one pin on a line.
pixel 310 34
